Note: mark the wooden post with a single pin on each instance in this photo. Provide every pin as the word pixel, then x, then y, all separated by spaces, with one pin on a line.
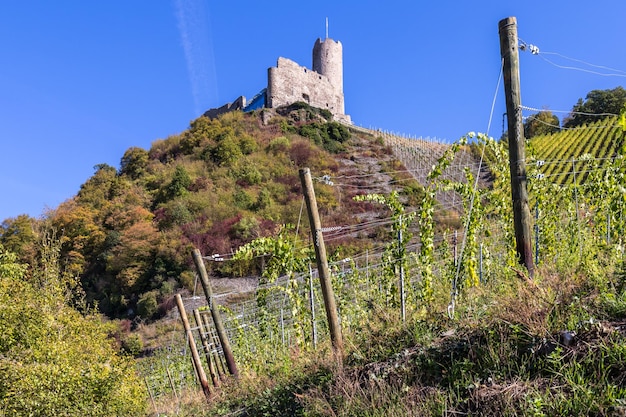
pixel 217 318
pixel 151 396
pixel 537 232
pixel 312 305
pixel 169 376
pixel 204 383
pixel 322 263
pixel 207 348
pixel 401 265
pixel 221 369
pixel 517 155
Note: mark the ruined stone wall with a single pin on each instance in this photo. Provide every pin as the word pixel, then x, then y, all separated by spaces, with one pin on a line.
pixel 289 82
pixel 238 104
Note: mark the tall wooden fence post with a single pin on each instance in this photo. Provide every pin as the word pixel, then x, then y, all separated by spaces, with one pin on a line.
pixel 217 318
pixel 509 50
pixel 204 383
pixel 322 263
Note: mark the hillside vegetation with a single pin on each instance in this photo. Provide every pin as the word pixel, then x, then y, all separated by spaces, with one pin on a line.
pixel 437 315
pixel 128 233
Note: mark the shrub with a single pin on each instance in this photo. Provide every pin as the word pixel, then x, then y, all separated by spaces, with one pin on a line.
pixel 147 305
pixel 55 361
pixel 246 173
pixel 132 345
pixel 227 151
pixel 278 145
pixel 331 136
pixel 247 144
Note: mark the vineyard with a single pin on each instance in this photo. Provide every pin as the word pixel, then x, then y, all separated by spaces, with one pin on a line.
pixel 572 155
pixel 428 268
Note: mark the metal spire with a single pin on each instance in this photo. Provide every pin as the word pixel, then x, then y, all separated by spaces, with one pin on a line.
pixel 327 28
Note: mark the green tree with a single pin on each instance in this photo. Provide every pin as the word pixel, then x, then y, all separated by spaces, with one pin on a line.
pixel 10 268
pixel 227 150
pixel 542 123
pixel 179 184
pixel 134 162
pixel 596 102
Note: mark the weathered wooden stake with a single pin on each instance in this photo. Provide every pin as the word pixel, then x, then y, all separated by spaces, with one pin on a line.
pixel 204 383
pixel 221 368
pixel 169 376
pixel 207 348
pixel 401 265
pixel 312 305
pixel 322 263
pixel 151 396
pixel 217 318
pixel 517 155
pixel 480 263
pixel 282 328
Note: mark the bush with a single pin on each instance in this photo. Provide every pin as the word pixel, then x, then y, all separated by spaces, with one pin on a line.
pixel 278 145
pixel 331 136
pixel 147 305
pixel 132 345
pixel 55 361
pixel 246 173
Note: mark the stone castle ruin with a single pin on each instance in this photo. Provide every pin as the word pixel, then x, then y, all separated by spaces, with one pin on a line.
pixel 289 82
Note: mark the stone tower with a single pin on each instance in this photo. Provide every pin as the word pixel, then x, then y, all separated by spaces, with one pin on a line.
pixel 328 61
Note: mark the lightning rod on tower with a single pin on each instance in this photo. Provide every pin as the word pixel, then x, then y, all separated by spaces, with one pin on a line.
pixel 326 28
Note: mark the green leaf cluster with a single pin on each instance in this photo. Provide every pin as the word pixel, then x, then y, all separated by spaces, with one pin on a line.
pixel 54 361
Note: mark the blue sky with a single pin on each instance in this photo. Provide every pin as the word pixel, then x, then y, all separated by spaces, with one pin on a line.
pixel 82 81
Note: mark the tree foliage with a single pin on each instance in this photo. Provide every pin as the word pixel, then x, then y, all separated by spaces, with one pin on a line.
pixel 542 123
pixel 596 102
pixel 53 360
pixel 17 235
pixel 134 162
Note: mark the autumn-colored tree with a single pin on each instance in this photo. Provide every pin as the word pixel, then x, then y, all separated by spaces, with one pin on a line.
pixel 96 190
pixel 80 233
pixel 17 235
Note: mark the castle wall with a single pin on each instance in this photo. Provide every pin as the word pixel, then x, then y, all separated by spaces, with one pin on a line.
pixel 238 104
pixel 289 82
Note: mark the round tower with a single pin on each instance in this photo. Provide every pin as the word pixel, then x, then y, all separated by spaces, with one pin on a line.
pixel 328 61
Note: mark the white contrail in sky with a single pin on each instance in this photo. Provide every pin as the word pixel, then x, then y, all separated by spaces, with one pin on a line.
pixel 195 34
